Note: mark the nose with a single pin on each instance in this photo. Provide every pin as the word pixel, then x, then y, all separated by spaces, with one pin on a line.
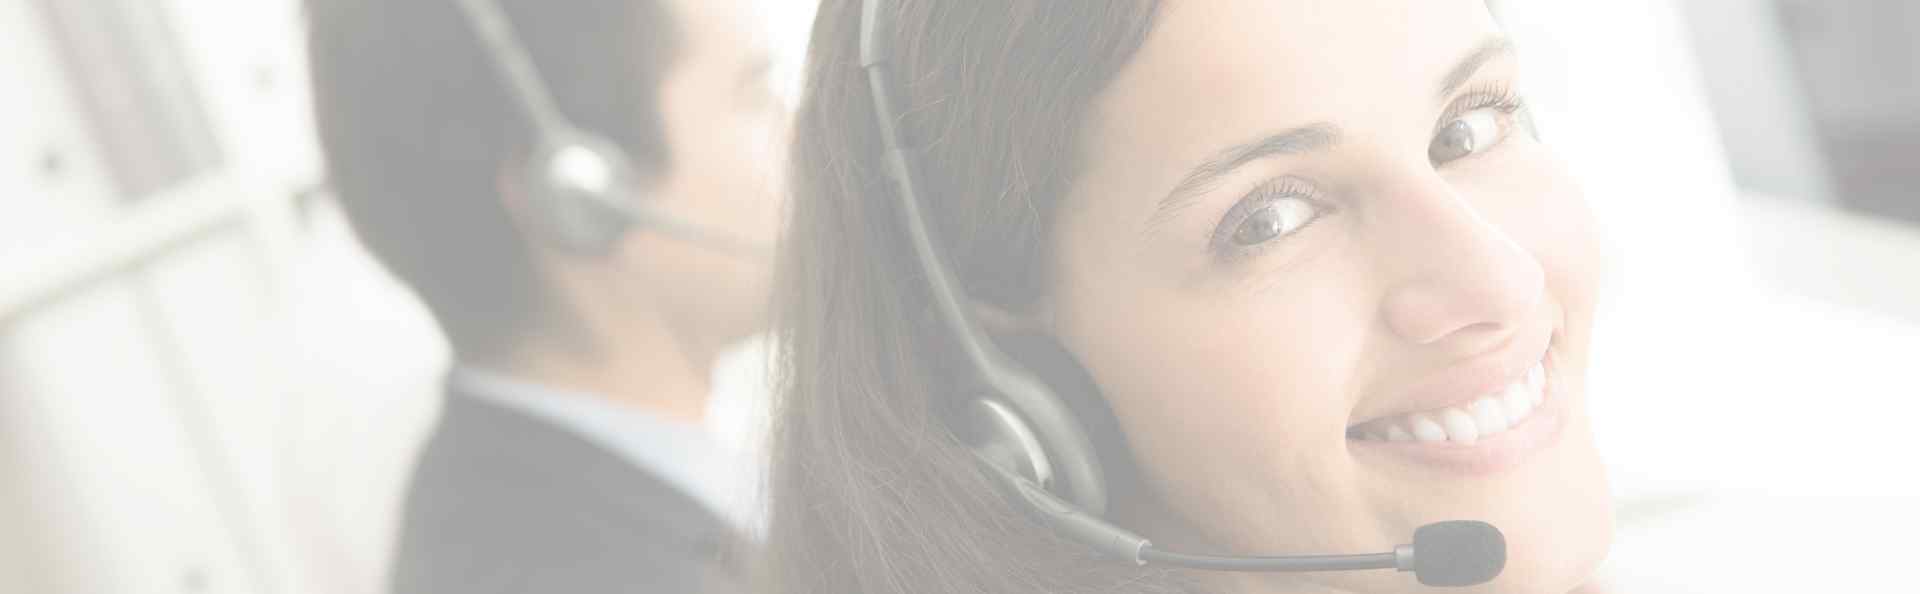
pixel 1458 279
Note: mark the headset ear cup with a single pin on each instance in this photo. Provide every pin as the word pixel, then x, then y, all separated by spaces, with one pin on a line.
pixel 1004 441
pixel 1047 359
pixel 578 184
pixel 581 225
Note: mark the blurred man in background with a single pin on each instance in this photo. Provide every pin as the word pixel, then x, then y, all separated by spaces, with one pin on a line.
pixel 570 456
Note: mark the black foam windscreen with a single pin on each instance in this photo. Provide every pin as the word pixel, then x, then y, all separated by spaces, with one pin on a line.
pixel 1458 553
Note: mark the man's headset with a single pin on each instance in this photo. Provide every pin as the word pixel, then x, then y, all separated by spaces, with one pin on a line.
pixel 1030 437
pixel 583 190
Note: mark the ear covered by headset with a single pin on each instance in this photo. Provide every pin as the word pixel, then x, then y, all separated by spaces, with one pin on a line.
pixel 1010 440
pixel 1065 488
pixel 572 182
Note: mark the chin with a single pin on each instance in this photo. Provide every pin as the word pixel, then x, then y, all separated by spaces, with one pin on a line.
pixel 1542 484
pixel 1557 515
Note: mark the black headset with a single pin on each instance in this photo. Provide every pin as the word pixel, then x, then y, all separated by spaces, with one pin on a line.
pixel 583 190
pixel 1030 434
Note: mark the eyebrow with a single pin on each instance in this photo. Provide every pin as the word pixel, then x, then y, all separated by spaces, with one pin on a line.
pixel 1493 47
pixel 1312 137
pixel 1304 139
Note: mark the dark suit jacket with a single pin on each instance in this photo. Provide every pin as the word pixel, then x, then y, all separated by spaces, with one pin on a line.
pixel 502 502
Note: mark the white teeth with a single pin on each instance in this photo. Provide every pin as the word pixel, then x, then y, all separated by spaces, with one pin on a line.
pixel 1489 415
pixel 1425 428
pixel 1519 403
pixel 1484 417
pixel 1460 425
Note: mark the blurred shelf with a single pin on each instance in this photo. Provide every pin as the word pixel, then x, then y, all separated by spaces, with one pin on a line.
pixel 32 275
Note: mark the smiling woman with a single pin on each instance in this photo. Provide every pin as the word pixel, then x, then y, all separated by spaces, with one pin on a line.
pixel 1302 270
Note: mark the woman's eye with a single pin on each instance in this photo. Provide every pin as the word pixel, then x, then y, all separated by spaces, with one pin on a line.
pixel 1276 219
pixel 1467 135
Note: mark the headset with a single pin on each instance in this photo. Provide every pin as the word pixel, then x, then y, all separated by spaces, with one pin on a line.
pixel 584 191
pixel 1028 435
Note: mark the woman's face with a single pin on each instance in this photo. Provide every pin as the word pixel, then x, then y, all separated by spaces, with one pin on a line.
pixel 1335 289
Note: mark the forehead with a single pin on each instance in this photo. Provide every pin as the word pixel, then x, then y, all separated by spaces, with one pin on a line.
pixel 1216 67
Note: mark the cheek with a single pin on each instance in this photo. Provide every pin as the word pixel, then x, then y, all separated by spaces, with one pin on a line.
pixel 1226 399
pixel 723 174
pixel 1567 242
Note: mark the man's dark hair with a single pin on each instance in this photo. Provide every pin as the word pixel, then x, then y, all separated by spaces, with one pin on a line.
pixel 417 125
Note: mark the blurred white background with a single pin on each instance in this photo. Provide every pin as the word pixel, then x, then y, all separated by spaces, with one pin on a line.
pixel 207 387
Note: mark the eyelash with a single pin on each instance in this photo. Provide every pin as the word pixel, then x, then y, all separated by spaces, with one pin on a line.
pixel 1487 95
pixel 1267 193
pixel 1500 96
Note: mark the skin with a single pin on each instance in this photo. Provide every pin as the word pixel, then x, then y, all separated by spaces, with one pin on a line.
pixel 1237 391
pixel 657 309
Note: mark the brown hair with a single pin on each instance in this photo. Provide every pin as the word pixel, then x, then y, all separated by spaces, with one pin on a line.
pixel 872 491
pixel 417 126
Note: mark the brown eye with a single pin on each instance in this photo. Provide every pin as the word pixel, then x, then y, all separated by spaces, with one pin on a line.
pixel 1466 136
pixel 1276 219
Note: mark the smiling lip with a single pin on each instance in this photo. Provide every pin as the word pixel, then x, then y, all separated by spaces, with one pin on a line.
pixel 1463 383
pixel 1484 457
pixel 1489 455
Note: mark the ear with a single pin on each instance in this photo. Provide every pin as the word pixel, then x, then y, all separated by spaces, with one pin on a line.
pixel 537 224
